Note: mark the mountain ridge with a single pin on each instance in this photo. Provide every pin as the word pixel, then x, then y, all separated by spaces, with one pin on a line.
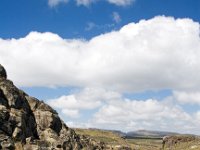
pixel 142 133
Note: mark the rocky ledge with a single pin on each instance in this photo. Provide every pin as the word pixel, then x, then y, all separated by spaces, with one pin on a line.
pixel 29 124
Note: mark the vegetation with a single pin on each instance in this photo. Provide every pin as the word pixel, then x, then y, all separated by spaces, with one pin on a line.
pixel 108 137
pixel 116 142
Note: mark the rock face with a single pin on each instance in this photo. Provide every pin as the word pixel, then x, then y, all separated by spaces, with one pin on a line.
pixel 171 141
pixel 29 124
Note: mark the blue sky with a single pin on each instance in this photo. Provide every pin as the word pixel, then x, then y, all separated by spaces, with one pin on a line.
pixel 112 64
pixel 69 20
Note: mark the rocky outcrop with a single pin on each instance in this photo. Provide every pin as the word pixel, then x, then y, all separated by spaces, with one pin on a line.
pixel 173 140
pixel 29 124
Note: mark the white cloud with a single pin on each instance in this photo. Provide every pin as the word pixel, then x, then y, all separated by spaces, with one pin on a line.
pixel 116 17
pixel 186 97
pixel 72 113
pixel 87 99
pixel 197 117
pixel 72 124
pixel 53 3
pixel 113 111
pixel 140 56
pixel 74 102
pixel 85 2
pixel 115 2
pixel 149 114
pixel 155 54
pixel 90 26
pixel 121 2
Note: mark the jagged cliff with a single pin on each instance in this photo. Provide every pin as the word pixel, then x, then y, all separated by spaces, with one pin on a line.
pixel 29 124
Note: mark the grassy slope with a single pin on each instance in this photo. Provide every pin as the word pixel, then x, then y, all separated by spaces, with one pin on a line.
pixel 114 140
pixel 109 138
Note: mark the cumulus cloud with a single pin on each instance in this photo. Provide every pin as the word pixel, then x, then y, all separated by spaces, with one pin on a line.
pixel 140 56
pixel 116 17
pixel 53 3
pixel 87 99
pixel 185 97
pixel 159 53
pixel 121 2
pixel 149 114
pixel 72 113
pixel 113 111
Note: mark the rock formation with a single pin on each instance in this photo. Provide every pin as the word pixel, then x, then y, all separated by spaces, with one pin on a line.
pixel 29 124
pixel 171 141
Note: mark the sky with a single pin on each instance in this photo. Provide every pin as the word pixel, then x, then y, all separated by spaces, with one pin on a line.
pixel 110 64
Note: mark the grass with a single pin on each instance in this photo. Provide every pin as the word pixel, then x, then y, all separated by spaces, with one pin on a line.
pixel 104 136
pixel 114 141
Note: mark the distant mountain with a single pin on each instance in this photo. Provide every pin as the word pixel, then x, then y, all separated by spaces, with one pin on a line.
pixel 139 133
pixel 147 133
pixel 120 133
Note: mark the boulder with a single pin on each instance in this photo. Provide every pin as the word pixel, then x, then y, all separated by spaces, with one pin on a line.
pixel 2 72
pixel 30 124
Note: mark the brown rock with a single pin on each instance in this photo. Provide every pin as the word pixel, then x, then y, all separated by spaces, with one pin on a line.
pixel 28 123
pixel 2 72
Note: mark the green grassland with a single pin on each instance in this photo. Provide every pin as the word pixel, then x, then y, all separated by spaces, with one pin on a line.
pixel 116 142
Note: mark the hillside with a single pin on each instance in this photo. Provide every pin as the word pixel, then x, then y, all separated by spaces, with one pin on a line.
pixel 29 124
pixel 115 141
pixel 110 138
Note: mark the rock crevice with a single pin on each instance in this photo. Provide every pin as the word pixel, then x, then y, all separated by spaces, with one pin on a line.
pixel 27 123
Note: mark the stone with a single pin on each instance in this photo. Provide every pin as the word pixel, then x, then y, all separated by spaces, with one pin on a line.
pixel 28 123
pixel 3 73
pixel 6 143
